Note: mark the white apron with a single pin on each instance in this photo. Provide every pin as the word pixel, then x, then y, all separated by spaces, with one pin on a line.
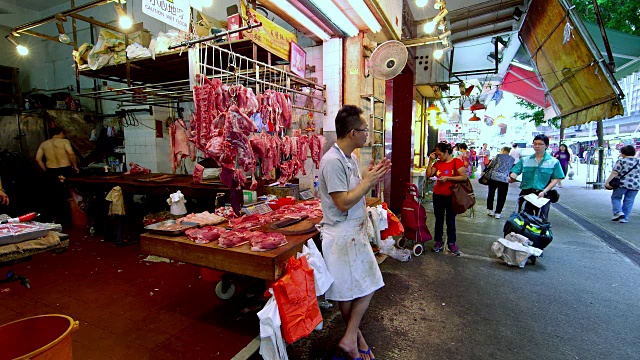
pixel 347 253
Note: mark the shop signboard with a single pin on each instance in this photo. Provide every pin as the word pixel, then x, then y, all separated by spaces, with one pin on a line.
pixel 176 13
pixel 298 60
pixel 270 36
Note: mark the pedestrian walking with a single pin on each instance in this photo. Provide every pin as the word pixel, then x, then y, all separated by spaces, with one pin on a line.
pixel 345 243
pixel 564 156
pixel 540 173
pixel 484 157
pixel 473 156
pixel 465 156
pixel 515 152
pixel 447 170
pixel 627 171
pixel 498 174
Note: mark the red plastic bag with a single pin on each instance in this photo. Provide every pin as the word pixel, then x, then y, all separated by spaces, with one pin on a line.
pixel 395 226
pixel 295 294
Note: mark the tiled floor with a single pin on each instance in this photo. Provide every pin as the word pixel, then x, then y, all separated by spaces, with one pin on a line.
pixel 128 308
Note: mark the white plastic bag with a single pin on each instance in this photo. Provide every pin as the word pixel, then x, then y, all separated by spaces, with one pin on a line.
pixel 272 345
pixel 514 252
pixel 176 202
pixel 388 247
pixel 321 276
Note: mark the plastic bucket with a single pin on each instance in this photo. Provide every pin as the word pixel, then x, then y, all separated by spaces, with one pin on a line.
pixel 44 337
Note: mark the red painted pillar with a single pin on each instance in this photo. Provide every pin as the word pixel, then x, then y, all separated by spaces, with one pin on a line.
pixel 399 98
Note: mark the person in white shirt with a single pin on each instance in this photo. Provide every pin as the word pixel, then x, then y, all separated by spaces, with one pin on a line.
pixel 515 153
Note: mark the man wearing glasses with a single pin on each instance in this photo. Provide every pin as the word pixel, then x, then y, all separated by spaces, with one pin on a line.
pixel 540 173
pixel 345 243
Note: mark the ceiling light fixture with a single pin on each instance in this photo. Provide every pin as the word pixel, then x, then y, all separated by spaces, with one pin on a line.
pixel 517 14
pixel 366 15
pixel 477 106
pixel 336 16
pixel 493 58
pixel 440 52
pixel 431 25
pixel 474 117
pixel 124 21
pixel 21 49
pixel 62 37
pixel 439 4
pixel 502 43
pixel 433 109
pixel 301 18
pixel 421 3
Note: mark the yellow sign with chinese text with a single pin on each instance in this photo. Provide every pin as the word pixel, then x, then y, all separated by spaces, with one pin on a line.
pixel 270 36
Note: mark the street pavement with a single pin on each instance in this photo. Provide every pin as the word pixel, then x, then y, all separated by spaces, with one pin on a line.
pixel 580 301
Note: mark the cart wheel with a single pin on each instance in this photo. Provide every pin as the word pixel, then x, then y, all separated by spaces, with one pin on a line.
pixel 401 242
pixel 533 259
pixel 418 249
pixel 225 295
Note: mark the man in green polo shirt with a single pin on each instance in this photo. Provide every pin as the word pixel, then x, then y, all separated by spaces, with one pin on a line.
pixel 540 173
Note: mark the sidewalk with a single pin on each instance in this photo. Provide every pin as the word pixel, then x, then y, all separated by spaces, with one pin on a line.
pixel 582 294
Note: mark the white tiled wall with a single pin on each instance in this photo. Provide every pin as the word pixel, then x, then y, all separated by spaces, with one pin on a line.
pixel 332 70
pixel 140 142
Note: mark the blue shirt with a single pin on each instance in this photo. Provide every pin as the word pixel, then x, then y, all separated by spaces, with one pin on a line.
pixel 537 175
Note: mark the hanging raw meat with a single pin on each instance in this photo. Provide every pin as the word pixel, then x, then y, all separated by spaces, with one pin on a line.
pixel 179 142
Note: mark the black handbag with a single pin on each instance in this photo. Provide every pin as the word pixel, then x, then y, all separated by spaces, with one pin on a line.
pixel 484 179
pixel 615 182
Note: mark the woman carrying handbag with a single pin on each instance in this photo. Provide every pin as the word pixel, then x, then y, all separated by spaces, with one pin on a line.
pixel 624 180
pixel 497 174
pixel 448 171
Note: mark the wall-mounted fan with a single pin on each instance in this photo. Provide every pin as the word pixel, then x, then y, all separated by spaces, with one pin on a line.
pixel 388 60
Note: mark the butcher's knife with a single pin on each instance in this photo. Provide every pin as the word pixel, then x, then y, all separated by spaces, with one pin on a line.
pixel 288 222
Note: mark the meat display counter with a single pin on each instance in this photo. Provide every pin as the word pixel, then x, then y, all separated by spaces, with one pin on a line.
pixel 264 265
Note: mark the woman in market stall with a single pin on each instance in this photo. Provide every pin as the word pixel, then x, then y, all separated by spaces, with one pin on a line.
pixel 345 243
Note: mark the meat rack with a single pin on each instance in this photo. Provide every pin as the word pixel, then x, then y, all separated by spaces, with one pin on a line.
pixel 169 80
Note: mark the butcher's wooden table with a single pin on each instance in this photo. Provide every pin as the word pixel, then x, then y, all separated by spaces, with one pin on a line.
pixel 267 265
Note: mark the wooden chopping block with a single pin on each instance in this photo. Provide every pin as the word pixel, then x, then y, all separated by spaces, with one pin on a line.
pixel 302 227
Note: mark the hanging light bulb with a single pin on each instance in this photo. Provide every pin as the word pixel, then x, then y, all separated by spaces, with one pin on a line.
pixel 438 54
pixel 63 38
pixel 430 27
pixel 421 3
pixel 21 49
pixel 438 4
pixel 124 21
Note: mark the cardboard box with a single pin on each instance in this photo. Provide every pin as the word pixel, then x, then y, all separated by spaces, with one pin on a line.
pixel 234 22
pixel 283 191
pixel 205 23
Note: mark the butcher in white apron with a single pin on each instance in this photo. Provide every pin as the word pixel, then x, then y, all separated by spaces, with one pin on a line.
pixel 345 243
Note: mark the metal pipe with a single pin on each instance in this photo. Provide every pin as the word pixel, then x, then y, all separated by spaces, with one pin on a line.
pixel 48 19
pixel 213 37
pixel 96 22
pixel 96 102
pixel 46 37
pixel 605 39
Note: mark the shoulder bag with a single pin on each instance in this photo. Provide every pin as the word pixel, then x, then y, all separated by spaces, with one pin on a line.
pixel 463 197
pixel 486 174
pixel 615 182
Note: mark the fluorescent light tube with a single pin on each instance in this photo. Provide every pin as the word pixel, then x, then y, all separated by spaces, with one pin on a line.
pixel 365 14
pixel 337 17
pixel 285 6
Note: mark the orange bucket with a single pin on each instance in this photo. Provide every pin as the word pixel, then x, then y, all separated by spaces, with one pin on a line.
pixel 44 337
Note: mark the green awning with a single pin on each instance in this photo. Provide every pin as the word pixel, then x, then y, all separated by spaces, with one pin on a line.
pixel 625 49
